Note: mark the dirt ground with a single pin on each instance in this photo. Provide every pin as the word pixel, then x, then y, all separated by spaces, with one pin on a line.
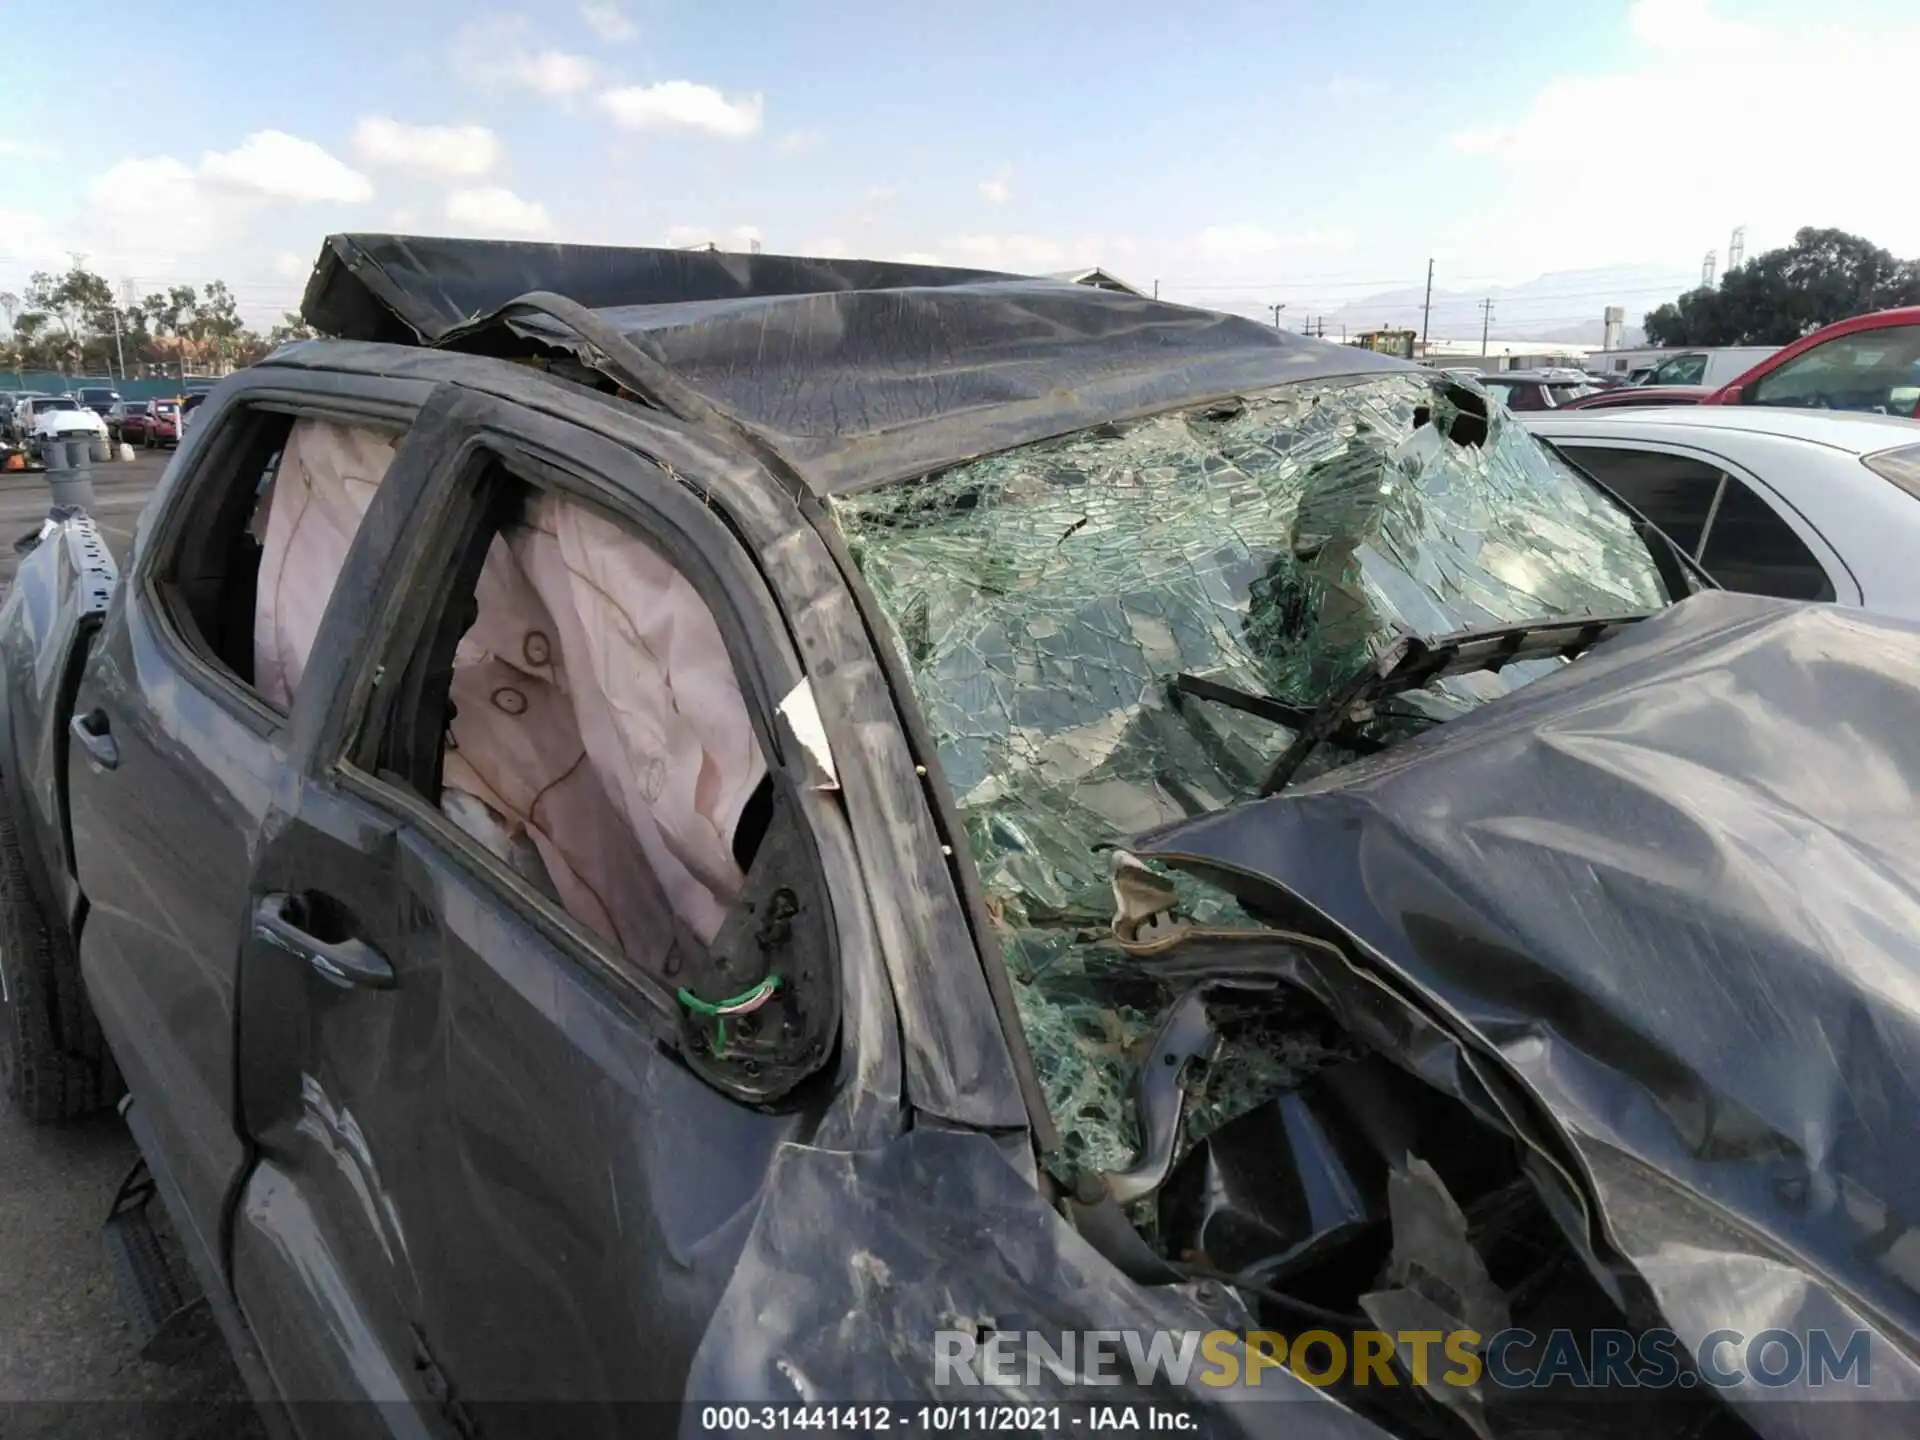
pixel 68 1366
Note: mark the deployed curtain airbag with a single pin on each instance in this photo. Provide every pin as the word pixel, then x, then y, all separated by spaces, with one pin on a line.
pixel 599 742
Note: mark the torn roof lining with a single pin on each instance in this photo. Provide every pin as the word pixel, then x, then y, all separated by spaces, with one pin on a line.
pixel 432 285
pixel 851 374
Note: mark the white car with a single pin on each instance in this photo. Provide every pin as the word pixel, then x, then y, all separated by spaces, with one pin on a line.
pixel 1709 367
pixel 61 417
pixel 1804 504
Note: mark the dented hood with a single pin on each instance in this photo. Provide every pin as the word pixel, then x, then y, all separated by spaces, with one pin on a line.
pixel 1674 892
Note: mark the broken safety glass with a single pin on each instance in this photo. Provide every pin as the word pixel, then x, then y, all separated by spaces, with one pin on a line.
pixel 1073 614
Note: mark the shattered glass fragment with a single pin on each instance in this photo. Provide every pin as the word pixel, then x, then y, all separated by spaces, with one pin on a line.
pixel 1043 601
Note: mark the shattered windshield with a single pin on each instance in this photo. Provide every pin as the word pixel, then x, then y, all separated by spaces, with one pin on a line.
pixel 1044 601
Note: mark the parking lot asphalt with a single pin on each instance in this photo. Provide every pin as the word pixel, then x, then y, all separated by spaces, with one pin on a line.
pixel 68 1361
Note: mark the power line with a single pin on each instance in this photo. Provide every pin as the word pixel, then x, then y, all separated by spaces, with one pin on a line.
pixel 1611 292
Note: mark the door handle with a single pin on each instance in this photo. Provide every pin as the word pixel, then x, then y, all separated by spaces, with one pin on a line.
pixel 95 737
pixel 349 964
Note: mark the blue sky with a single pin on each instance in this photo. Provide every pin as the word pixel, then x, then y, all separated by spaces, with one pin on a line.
pixel 1239 154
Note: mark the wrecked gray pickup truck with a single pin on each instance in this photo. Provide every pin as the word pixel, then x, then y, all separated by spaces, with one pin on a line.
pixel 776 836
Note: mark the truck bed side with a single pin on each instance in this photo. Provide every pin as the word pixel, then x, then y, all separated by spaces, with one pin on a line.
pixel 57 601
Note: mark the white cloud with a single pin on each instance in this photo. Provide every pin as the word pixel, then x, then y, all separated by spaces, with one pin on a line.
pixel 27 240
pixel 608 21
pixel 682 105
pixel 1239 242
pixel 459 152
pixel 505 51
pixel 280 166
pixel 1609 204
pixel 250 215
pixel 156 206
pixel 1481 140
pixel 919 257
pixel 498 211
pixel 1349 89
pixel 1024 253
pixel 797 142
pixel 687 237
pixel 1014 252
pixel 997 188
pixel 156 215
pixel 828 247
pixel 551 72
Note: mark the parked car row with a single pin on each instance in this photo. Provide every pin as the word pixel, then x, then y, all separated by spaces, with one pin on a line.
pixel 1524 390
pixel 1869 363
pixel 22 407
pixel 34 418
pixel 146 423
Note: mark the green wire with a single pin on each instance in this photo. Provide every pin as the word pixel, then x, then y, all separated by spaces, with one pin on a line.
pixel 719 1008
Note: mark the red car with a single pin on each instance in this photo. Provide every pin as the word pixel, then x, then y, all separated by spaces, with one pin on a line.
pixel 154 423
pixel 1638 395
pixel 1869 362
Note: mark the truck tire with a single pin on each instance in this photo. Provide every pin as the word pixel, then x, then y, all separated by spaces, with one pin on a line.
pixel 54 1063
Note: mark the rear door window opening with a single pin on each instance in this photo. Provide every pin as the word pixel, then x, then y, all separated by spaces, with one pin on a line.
pixel 244 575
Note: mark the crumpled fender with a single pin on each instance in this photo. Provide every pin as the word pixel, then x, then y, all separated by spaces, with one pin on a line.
pixel 58 598
pixel 856 1259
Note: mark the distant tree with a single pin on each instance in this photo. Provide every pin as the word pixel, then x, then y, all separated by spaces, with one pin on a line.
pixel 291 327
pixel 33 347
pixel 170 316
pixel 1696 318
pixel 71 323
pixel 1775 298
pixel 216 325
pixel 66 305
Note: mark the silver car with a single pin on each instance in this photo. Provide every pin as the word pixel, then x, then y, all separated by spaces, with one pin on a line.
pixel 1802 504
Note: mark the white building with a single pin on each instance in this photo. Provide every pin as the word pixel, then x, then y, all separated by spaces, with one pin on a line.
pixel 1507 354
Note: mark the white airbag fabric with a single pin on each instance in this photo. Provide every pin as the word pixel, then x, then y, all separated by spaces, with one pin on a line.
pixel 636 786
pixel 327 478
pixel 597 714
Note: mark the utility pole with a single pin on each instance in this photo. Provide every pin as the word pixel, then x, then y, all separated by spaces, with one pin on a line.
pixel 1156 289
pixel 128 299
pixel 1426 307
pixel 1486 319
pixel 79 258
pixel 1276 309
